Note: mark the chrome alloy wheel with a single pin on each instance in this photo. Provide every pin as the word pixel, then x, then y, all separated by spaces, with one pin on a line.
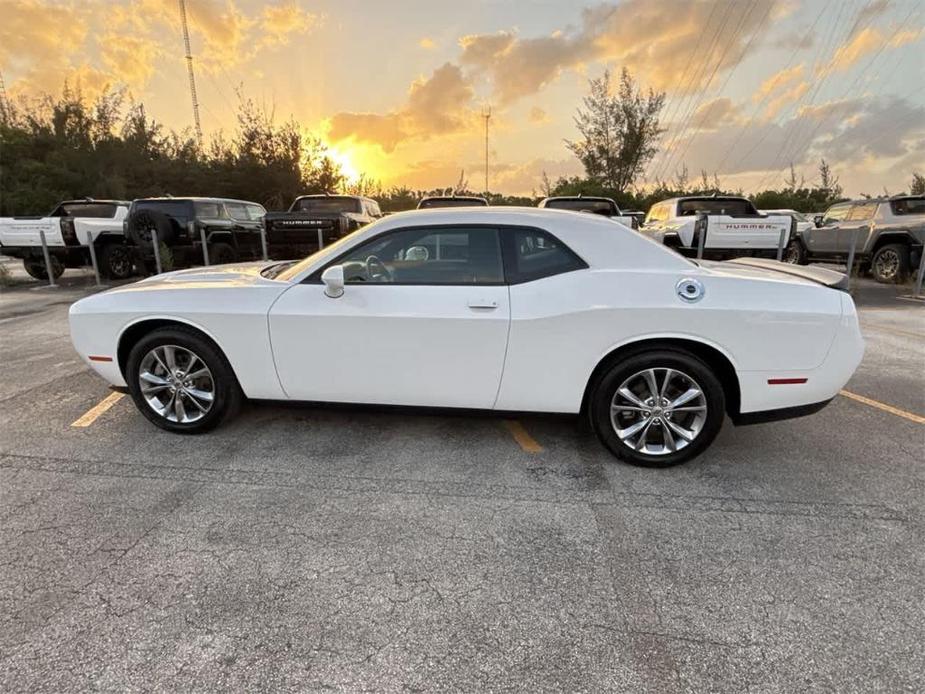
pixel 176 384
pixel 658 411
pixel 887 264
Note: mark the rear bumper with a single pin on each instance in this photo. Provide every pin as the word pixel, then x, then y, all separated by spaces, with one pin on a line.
pixel 770 391
pixel 763 416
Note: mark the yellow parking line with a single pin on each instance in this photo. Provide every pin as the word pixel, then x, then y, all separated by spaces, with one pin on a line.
pixel 912 417
pixel 523 439
pixel 94 412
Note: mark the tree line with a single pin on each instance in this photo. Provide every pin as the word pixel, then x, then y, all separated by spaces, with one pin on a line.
pixel 61 147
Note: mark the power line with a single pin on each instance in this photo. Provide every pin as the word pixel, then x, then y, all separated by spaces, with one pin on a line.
pixel 189 69
pixel 691 111
pixel 729 75
pixel 761 103
pixel 808 99
pixel 807 142
pixel 687 90
pixel 676 98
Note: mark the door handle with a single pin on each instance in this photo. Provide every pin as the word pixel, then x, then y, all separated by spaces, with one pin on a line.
pixel 483 303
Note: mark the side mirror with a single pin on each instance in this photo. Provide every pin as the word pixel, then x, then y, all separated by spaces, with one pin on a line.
pixel 333 279
pixel 818 220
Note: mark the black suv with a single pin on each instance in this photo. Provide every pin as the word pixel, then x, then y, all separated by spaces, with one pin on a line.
pixel 231 227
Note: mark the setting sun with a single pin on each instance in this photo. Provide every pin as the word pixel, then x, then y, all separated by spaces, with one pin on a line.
pixel 345 163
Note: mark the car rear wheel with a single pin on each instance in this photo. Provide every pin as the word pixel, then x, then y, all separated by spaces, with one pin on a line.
pixel 35 268
pixel 890 264
pixel 658 409
pixel 180 381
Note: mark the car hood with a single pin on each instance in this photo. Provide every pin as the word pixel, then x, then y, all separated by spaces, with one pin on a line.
pixel 232 274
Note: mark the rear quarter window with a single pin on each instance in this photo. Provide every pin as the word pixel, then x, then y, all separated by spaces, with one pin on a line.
pixel 92 210
pixel 907 206
pixel 532 254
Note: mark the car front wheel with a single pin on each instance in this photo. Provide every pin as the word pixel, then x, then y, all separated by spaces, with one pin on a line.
pixel 658 409
pixel 181 382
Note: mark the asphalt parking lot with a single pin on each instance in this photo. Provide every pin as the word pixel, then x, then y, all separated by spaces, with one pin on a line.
pixel 326 548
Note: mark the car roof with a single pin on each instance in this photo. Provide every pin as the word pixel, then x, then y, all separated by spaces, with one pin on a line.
pixel 454 197
pixel 193 199
pixel 335 197
pixel 598 240
pixel 90 201
pixel 592 198
pixel 704 197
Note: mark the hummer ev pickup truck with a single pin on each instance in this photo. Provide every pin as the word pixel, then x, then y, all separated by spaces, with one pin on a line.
pixel 888 235
pixel 68 230
pixel 731 227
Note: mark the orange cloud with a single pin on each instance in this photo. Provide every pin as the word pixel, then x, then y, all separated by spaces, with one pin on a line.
pixel 427 43
pixel 778 80
pixel 437 105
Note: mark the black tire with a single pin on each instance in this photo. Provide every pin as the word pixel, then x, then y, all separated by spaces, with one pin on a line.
pixel 890 264
pixel 116 262
pixel 35 268
pixel 227 395
pixel 684 365
pixel 795 253
pixel 221 253
pixel 142 223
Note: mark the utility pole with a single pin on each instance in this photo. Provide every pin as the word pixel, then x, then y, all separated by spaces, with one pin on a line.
pixel 486 114
pixel 192 77
pixel 4 104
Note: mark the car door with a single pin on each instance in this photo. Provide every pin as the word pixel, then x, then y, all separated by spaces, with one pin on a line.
pixel 824 239
pixel 855 227
pixel 423 320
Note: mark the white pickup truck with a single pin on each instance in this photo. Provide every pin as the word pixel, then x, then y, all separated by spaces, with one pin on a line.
pixel 68 229
pixel 605 207
pixel 730 226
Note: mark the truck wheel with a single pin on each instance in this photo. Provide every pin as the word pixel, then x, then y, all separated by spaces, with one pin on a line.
pixel 222 253
pixel 116 261
pixel 142 223
pixel 890 264
pixel 795 254
pixel 35 267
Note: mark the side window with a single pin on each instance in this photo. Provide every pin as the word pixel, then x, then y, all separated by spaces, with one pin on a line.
pixel 236 210
pixel 427 255
pixel 372 209
pixel 531 254
pixel 255 212
pixel 862 212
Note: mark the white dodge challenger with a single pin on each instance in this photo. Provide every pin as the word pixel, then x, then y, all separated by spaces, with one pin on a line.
pixel 507 309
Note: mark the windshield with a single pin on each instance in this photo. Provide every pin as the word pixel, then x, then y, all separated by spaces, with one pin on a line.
pixel 604 207
pixel 451 202
pixel 736 208
pixel 327 204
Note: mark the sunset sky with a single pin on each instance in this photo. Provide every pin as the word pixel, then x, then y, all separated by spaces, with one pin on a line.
pixel 397 88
